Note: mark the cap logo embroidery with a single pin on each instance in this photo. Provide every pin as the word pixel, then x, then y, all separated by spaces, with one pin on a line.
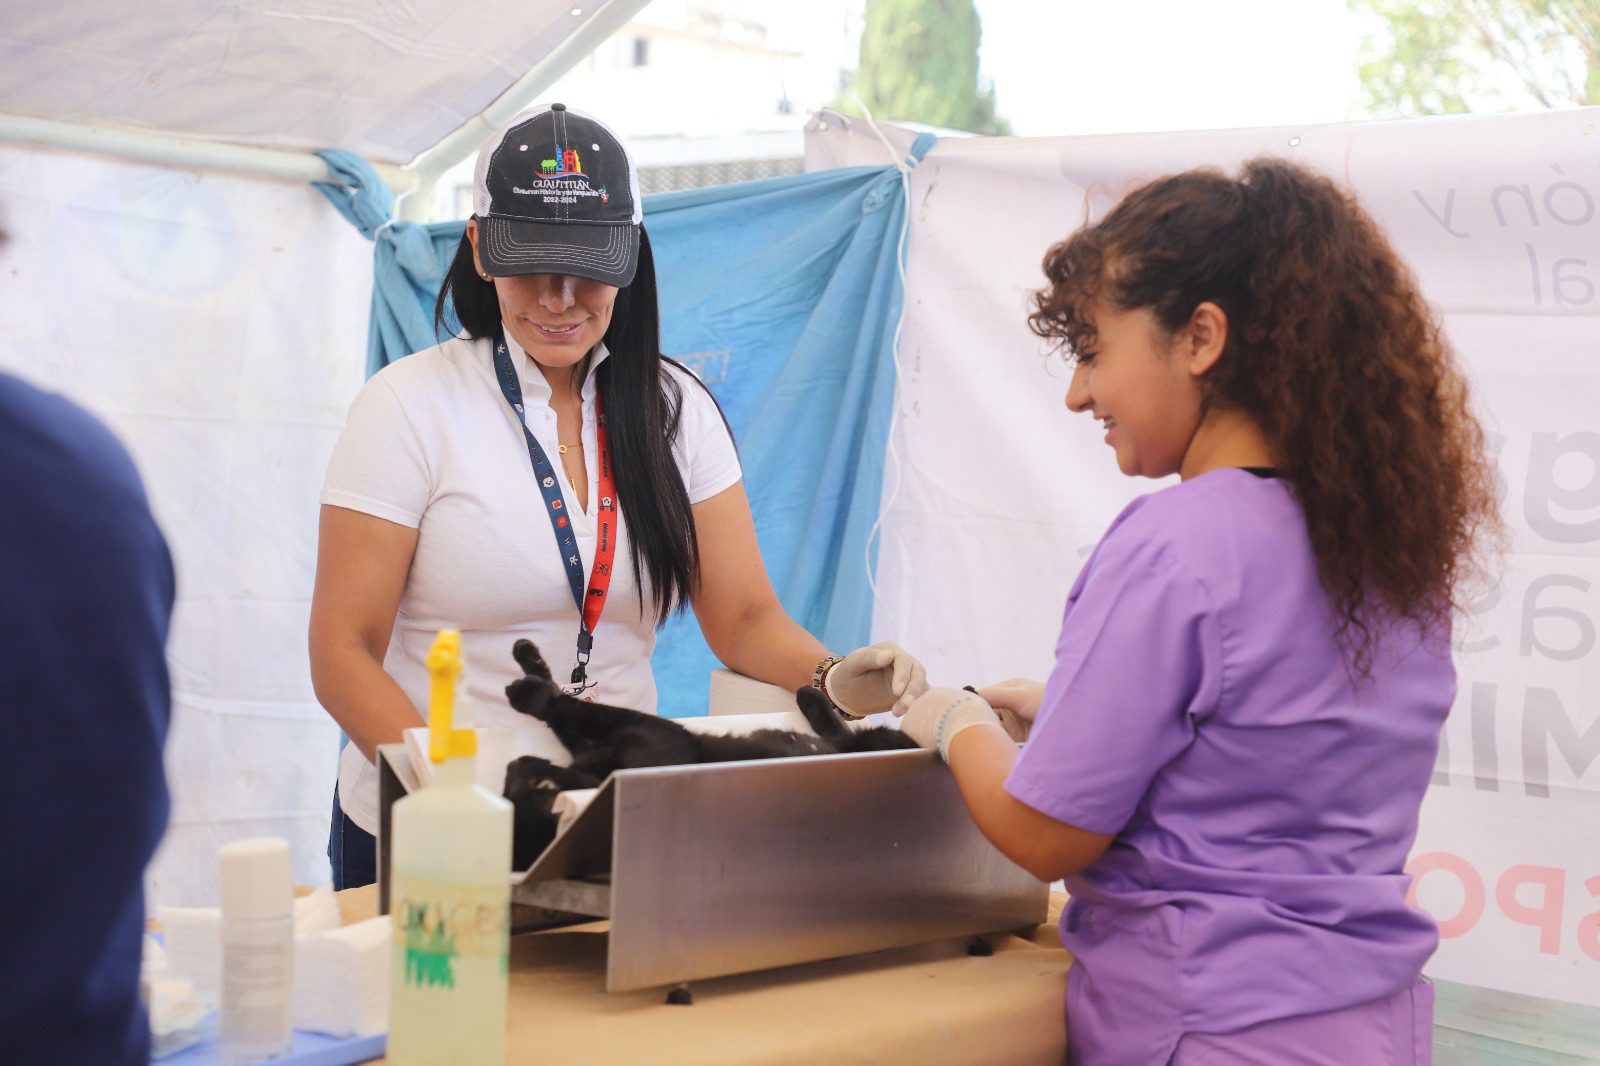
pixel 561 180
pixel 566 164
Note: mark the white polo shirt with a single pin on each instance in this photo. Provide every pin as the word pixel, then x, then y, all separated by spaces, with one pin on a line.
pixel 431 443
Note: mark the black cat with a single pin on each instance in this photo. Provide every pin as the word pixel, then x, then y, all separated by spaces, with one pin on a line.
pixel 603 738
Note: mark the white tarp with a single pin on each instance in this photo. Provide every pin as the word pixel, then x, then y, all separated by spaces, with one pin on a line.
pixel 1002 492
pixel 219 325
pixel 385 81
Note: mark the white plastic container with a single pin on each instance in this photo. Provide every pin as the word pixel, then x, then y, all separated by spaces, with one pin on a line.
pixel 257 950
pixel 450 899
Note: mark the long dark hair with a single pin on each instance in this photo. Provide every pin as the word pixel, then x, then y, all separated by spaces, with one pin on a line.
pixel 1333 352
pixel 643 404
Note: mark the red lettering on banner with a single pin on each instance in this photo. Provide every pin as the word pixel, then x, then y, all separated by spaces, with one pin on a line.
pixel 1589 928
pixel 1471 887
pixel 1548 913
pixel 1546 917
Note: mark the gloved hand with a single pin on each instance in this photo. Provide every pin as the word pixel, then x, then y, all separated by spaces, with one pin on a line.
pixel 939 714
pixel 1017 702
pixel 875 678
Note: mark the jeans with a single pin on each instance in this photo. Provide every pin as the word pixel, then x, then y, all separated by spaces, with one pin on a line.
pixel 352 851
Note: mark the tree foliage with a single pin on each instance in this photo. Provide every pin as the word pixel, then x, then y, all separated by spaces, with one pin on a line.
pixel 1439 56
pixel 919 63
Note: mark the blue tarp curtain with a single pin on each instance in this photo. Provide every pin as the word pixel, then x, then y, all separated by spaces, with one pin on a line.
pixel 783 296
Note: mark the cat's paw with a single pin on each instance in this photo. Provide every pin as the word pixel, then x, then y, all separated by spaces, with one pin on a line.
pixel 532 775
pixel 527 655
pixel 529 772
pixel 530 695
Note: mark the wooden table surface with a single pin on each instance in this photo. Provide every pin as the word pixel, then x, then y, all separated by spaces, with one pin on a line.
pixel 932 1005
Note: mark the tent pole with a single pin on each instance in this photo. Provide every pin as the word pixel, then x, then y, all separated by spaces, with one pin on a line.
pixel 187 152
pixel 425 170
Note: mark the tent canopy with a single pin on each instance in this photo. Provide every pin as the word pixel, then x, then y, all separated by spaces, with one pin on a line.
pixel 398 84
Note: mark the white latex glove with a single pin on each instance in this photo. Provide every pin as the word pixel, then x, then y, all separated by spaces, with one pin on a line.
pixel 879 677
pixel 939 714
pixel 1017 702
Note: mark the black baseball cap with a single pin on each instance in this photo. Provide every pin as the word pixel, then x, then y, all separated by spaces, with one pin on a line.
pixel 556 193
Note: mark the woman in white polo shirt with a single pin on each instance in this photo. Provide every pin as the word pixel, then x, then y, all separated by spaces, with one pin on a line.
pixel 548 458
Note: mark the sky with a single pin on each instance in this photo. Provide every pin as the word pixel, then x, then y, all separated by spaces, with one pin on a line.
pixel 1071 67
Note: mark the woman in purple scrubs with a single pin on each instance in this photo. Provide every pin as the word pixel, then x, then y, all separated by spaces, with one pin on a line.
pixel 1227 762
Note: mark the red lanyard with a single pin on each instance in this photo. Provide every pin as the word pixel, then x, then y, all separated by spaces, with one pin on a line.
pixel 605 549
pixel 590 600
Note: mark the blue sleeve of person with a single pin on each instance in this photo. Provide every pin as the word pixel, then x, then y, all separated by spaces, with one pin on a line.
pixel 86 597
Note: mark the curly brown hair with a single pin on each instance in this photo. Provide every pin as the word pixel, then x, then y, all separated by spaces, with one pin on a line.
pixel 1333 352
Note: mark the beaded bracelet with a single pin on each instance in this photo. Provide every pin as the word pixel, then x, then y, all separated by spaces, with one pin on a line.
pixel 939 742
pixel 819 681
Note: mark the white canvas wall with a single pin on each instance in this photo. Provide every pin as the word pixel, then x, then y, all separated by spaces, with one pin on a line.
pixel 1002 492
pixel 218 325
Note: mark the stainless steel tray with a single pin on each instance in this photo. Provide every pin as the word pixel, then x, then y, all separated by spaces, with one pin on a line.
pixel 724 868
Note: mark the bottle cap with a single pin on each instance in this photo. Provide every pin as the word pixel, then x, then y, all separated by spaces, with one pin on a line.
pixel 256 882
pixel 445 741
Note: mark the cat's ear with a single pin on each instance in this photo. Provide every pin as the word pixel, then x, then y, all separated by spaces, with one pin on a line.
pixel 532 663
pixel 819 713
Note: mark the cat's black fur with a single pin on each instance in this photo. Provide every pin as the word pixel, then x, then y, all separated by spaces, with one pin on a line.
pixel 603 738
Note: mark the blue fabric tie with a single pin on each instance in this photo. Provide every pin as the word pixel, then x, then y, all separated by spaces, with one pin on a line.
pixel 409 260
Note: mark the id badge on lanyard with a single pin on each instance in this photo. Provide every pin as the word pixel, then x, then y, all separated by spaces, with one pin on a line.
pixel 590 596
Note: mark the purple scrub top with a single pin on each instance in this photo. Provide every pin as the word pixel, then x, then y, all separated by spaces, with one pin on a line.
pixel 1263 804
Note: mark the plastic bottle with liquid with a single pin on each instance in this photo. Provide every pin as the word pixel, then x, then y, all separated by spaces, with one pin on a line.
pixel 257 950
pixel 450 897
